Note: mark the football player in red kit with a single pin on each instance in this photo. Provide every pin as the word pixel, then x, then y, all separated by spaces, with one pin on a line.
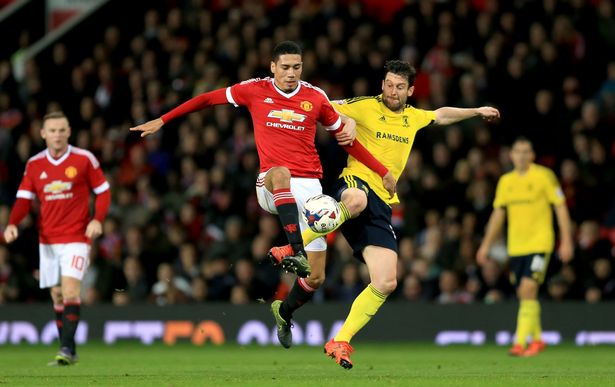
pixel 62 177
pixel 285 111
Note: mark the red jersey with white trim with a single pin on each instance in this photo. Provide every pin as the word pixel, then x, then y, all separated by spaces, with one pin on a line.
pixel 63 188
pixel 285 123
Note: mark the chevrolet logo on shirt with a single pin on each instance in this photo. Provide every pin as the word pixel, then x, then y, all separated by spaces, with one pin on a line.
pixel 57 186
pixel 56 190
pixel 286 115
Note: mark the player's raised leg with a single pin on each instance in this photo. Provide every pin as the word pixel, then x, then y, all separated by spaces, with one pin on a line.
pixel 277 182
pixel 353 201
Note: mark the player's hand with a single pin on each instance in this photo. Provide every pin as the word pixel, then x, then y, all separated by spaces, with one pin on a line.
pixel 566 251
pixel 150 127
pixel 93 230
pixel 482 255
pixel 390 184
pixel 348 133
pixel 11 233
pixel 488 113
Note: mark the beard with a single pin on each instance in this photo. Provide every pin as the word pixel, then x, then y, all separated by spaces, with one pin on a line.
pixel 394 105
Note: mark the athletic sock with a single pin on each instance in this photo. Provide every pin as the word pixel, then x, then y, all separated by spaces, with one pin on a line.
pixel 309 235
pixel 363 309
pixel 299 295
pixel 289 216
pixel 70 320
pixel 525 320
pixel 59 311
pixel 534 311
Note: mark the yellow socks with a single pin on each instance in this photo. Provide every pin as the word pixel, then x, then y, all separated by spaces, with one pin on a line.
pixel 528 321
pixel 309 235
pixel 537 331
pixel 363 309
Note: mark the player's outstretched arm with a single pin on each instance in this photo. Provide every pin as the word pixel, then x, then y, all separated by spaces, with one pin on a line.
pixel 11 233
pixel 202 101
pixel 450 115
pixel 150 127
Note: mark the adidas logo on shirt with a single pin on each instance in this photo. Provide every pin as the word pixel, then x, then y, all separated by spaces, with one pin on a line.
pixel 381 118
pixel 268 100
pixel 43 175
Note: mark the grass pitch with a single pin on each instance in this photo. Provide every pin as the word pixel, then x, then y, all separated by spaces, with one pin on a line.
pixel 414 364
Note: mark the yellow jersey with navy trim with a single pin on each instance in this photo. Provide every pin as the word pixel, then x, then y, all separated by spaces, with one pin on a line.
pixel 387 135
pixel 527 200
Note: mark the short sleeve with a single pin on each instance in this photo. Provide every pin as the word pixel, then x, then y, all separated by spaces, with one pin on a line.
pixel 423 118
pixel 351 110
pixel 555 195
pixel 342 106
pixel 500 200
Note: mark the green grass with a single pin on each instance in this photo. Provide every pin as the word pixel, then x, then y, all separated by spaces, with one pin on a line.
pixel 132 364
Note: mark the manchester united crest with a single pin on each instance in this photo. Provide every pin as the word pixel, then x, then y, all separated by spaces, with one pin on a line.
pixel 70 172
pixel 306 105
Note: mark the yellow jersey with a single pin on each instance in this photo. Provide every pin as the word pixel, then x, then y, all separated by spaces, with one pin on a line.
pixel 527 200
pixel 387 135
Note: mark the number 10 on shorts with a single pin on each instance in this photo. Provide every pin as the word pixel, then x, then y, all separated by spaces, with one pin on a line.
pixel 78 262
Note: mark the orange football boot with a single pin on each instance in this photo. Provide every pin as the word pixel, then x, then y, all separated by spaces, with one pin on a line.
pixel 291 262
pixel 340 351
pixel 535 348
pixel 277 254
pixel 516 350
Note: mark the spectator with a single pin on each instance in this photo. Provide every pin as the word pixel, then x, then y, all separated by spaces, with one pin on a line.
pixel 170 289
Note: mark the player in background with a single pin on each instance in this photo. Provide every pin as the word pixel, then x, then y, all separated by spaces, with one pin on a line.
pixel 61 177
pixel 525 197
pixel 386 125
pixel 285 112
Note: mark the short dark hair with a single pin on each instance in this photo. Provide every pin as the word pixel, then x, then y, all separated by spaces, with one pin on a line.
pixel 522 139
pixel 403 68
pixel 52 115
pixel 284 48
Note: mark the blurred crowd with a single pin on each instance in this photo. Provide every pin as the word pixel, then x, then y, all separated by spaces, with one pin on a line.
pixel 185 226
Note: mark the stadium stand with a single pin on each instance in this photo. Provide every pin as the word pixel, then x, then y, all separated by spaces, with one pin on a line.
pixel 184 205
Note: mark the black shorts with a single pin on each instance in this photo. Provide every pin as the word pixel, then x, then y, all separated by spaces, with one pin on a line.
pixel 373 226
pixel 531 265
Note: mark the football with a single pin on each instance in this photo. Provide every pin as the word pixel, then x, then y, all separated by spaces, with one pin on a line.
pixel 322 213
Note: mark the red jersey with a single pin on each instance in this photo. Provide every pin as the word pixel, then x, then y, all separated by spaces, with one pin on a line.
pixel 285 123
pixel 63 188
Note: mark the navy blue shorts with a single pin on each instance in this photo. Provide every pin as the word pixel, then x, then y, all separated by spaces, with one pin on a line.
pixel 373 226
pixel 531 265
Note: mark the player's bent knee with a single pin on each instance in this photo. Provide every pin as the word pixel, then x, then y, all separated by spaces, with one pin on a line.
pixel 355 200
pixel 280 176
pixel 385 286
